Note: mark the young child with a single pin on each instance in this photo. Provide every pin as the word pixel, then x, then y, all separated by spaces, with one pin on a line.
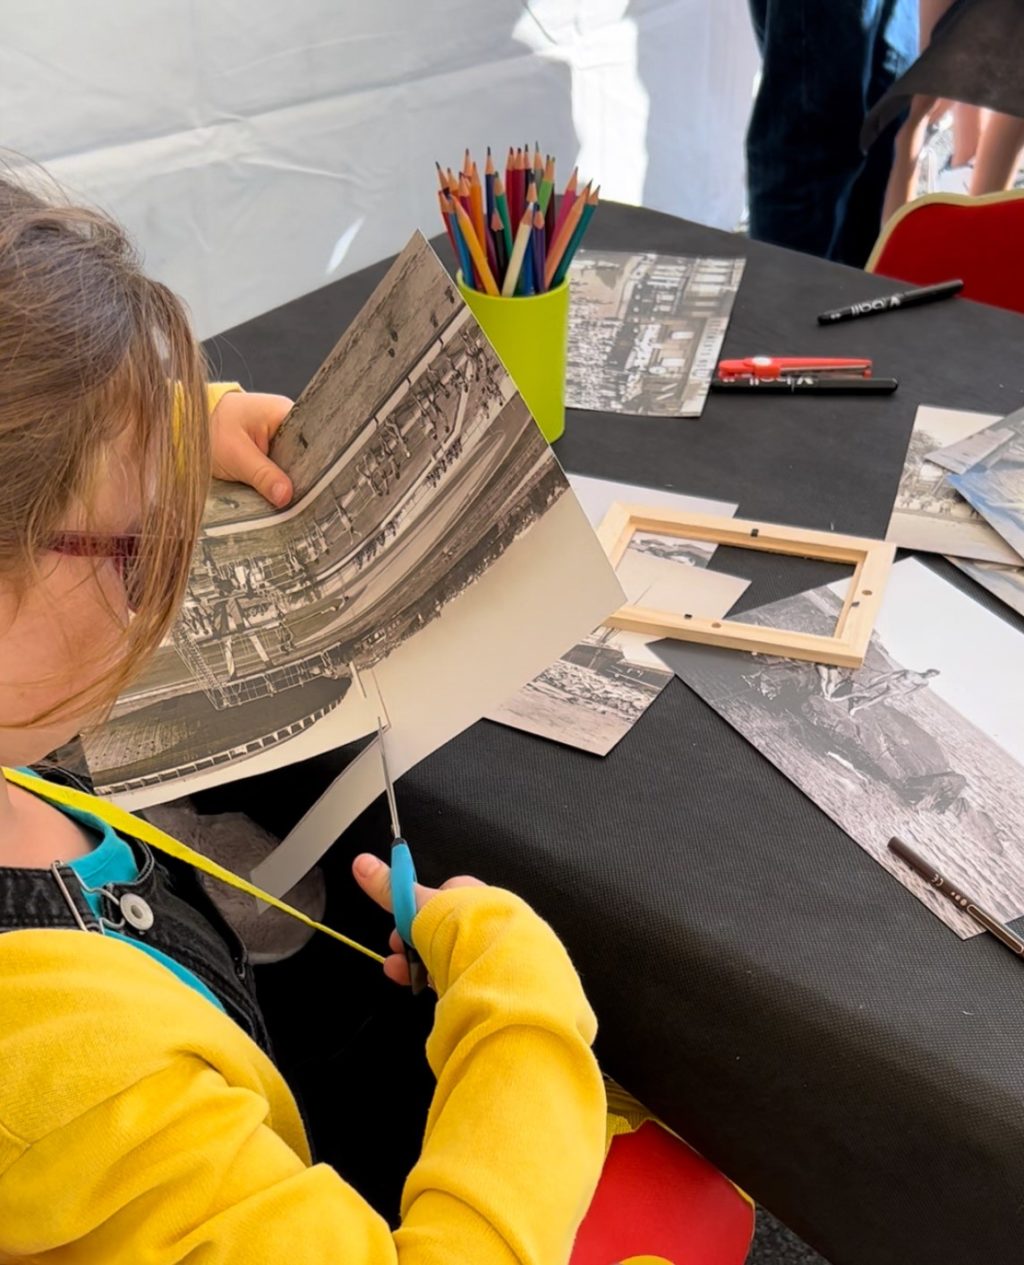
pixel 142 1120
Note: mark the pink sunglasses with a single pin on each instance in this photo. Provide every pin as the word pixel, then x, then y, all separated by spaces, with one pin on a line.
pixel 123 550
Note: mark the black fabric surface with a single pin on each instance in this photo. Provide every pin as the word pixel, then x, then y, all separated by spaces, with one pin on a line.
pixel 761 983
pixel 975 56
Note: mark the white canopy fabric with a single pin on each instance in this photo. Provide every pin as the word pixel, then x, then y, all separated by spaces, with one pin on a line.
pixel 259 150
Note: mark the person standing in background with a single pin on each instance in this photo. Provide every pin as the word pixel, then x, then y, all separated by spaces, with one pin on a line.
pixel 992 141
pixel 825 63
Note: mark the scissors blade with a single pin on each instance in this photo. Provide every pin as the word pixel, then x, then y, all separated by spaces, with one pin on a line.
pixel 396 830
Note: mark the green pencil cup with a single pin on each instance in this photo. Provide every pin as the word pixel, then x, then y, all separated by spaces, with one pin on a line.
pixel 531 336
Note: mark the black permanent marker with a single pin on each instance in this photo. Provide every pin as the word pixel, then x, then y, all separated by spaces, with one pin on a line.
pixel 797 384
pixel 890 302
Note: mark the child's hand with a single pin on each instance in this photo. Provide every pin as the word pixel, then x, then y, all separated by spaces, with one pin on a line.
pixel 241 428
pixel 374 877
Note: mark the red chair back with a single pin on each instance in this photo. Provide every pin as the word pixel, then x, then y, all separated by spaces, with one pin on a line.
pixel 658 1200
pixel 947 235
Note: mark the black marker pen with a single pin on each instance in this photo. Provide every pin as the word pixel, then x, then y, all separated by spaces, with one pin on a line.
pixel 890 302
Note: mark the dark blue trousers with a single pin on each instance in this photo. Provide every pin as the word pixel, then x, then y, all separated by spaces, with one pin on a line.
pixel 826 62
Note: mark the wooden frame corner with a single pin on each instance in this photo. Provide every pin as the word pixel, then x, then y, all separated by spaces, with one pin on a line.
pixel 845 648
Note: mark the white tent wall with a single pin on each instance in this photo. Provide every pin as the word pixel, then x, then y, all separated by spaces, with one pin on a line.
pixel 259 150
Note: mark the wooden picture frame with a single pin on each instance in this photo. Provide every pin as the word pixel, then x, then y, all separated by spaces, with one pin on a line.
pixel 845 648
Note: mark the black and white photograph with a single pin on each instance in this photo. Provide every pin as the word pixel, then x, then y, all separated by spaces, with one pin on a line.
pixel 397 512
pixel 668 573
pixel 1005 583
pixel 929 514
pixel 959 457
pixel 645 330
pixel 994 485
pixel 592 695
pixel 596 692
pixel 925 741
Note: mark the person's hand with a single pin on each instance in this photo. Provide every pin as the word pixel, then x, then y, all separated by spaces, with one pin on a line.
pixel 374 877
pixel 241 428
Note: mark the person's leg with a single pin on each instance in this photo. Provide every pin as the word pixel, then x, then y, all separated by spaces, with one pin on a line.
pixel 966 133
pixel 907 148
pixel 998 156
pixel 803 150
pixel 910 137
pixel 892 26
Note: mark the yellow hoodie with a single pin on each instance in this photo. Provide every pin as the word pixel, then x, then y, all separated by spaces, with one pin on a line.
pixel 139 1125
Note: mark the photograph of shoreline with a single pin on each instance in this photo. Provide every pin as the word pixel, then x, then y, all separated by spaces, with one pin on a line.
pixel 925 741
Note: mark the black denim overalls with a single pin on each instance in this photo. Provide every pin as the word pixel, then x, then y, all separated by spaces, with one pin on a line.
pixel 166 907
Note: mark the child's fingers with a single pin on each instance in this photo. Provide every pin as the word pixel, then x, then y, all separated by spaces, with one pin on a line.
pixel 252 466
pixel 275 409
pixel 374 877
pixel 242 427
pixel 396 968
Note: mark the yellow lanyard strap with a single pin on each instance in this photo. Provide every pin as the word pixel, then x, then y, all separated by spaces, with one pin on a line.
pixel 136 828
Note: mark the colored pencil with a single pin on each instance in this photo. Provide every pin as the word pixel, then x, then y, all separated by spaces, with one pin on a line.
pixel 514 201
pixel 501 206
pixel 574 242
pixel 489 177
pixel 564 236
pixel 531 191
pixel 566 201
pixel 515 260
pixel 442 179
pixel 492 255
pixel 539 250
pixel 526 285
pixel 500 251
pixel 463 195
pixel 442 199
pixel 476 204
pixel 547 185
pixel 510 185
pixel 461 249
pixel 476 250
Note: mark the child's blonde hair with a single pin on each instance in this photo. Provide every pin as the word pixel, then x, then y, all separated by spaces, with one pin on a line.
pixel 90 349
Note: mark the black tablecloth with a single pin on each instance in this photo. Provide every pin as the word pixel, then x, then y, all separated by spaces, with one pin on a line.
pixel 761 983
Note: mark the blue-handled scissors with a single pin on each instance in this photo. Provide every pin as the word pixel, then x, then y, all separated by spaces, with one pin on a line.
pixel 403 879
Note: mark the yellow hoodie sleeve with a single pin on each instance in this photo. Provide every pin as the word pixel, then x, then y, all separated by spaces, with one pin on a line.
pixel 185 1159
pixel 216 391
